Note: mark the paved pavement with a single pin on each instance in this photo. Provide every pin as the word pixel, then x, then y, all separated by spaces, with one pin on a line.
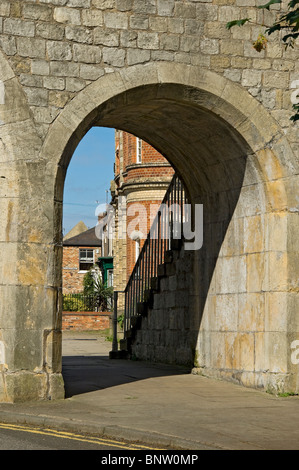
pixel 160 405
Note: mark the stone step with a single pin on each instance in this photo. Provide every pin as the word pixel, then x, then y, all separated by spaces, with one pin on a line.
pixel 141 309
pixel 135 321
pixel 121 354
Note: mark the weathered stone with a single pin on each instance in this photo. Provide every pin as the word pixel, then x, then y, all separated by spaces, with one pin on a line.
pixel 54 83
pixel 87 54
pixel 106 37
pixel 90 72
pixel 92 17
pixel 137 56
pixel 147 40
pixel 33 48
pixel 74 84
pixel 40 67
pixel 114 56
pixel 36 96
pixel 19 27
pixel 165 7
pixel 78 34
pixel 37 12
pixel 59 50
pixel 172 73
pixel 50 31
pixel 139 22
pixel 67 15
pixel 61 69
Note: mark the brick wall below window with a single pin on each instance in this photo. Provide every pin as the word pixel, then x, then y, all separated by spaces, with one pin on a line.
pixel 86 320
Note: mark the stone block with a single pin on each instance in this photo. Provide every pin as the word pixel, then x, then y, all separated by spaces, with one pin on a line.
pixel 91 72
pixel 64 69
pixel 67 15
pixel 128 38
pixel 227 312
pixel 59 50
pixel 209 46
pixel 37 12
pixel 230 47
pixel 78 34
pixel 103 4
pixel 191 44
pixel 254 234
pixel 18 27
pixel 5 8
pixel 250 306
pixel 79 3
pixel 275 79
pixel 92 18
pixel 74 84
pixel 33 48
pixel 36 96
pixel 54 83
pixel 158 24
pixel 165 7
pixel 40 67
pixel 145 6
pixel 58 98
pixel 139 22
pixel 116 20
pixel 50 31
pixel 251 78
pixel 106 37
pixel 256 272
pixel 137 56
pixel 8 45
pixel 87 54
pixel 231 275
pixel 114 56
pixel 147 40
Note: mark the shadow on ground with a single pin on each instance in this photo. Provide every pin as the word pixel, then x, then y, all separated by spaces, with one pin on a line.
pixel 86 366
pixel 83 374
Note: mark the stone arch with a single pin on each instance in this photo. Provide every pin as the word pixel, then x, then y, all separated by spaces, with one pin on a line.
pixel 223 120
pixel 263 163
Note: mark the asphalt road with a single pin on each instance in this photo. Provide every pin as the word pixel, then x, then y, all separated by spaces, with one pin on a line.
pixel 20 437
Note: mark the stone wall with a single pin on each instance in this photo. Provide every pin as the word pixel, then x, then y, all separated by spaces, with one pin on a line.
pixel 167 333
pixel 170 72
pixel 57 48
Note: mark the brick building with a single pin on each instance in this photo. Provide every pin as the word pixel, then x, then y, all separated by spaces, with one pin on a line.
pixel 80 253
pixel 142 176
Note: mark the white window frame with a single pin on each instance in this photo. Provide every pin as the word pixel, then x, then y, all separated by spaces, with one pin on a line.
pixel 87 260
pixel 138 150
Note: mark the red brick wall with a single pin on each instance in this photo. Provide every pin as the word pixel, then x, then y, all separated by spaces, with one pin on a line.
pixel 144 226
pixel 86 320
pixel 72 278
pixel 153 167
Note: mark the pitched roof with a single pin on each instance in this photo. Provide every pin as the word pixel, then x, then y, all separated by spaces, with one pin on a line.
pixel 79 228
pixel 87 238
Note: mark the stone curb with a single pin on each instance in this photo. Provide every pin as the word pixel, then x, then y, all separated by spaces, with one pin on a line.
pixel 111 432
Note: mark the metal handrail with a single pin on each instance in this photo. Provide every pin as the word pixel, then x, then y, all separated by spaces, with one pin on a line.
pixel 167 226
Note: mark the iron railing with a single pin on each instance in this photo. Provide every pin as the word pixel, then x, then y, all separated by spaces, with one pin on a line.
pixel 85 303
pixel 166 227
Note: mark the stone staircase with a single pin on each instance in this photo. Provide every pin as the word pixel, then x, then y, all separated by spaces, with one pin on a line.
pixel 166 270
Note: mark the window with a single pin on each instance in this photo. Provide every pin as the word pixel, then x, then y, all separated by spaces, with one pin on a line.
pixel 110 278
pixel 138 150
pixel 86 259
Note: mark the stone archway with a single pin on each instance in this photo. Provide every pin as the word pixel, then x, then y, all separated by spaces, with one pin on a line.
pixel 235 160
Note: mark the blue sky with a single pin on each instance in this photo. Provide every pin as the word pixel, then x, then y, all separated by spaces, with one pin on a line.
pixel 88 178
